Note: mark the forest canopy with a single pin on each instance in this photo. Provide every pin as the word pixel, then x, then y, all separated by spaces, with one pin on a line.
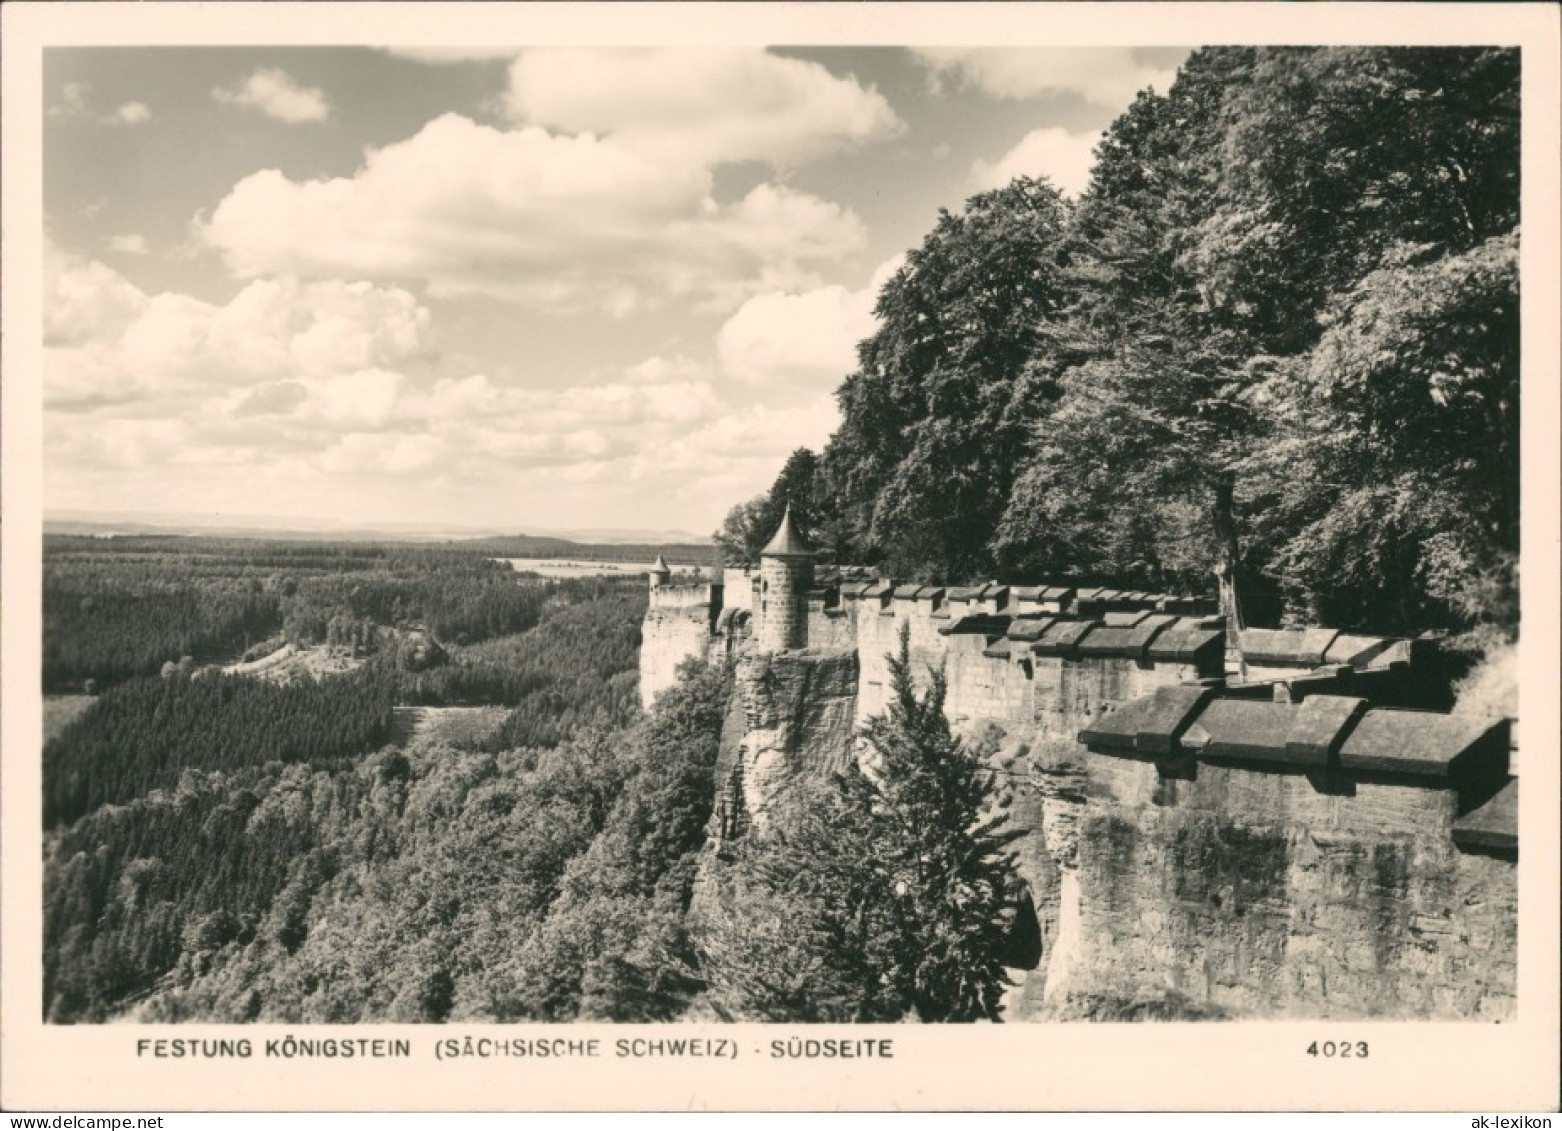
pixel 1273 343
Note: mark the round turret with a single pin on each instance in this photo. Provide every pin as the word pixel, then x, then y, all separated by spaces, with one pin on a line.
pixel 660 573
pixel 786 573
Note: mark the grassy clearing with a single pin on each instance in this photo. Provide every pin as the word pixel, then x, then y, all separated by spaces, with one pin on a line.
pixel 451 726
pixel 59 711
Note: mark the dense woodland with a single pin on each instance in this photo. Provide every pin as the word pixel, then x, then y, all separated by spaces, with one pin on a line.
pixel 192 809
pixel 577 666
pixel 230 848
pixel 1275 343
pixel 120 607
pixel 146 734
pixel 409 886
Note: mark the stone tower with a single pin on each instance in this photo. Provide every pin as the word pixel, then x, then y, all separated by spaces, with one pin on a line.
pixel 660 574
pixel 786 573
pixel 715 589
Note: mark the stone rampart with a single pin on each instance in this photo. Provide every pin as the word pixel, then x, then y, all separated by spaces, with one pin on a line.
pixel 1236 858
pixel 1192 846
pixel 680 621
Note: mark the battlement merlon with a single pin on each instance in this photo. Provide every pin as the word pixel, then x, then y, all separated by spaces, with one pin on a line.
pixel 794 604
pixel 1340 737
pixel 793 609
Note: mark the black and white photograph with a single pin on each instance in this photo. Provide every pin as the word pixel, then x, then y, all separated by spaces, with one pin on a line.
pixel 801 534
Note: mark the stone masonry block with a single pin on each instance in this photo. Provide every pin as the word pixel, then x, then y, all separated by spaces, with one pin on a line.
pixel 1354 650
pixel 1242 729
pixel 1125 619
pixel 1186 641
pixel 1422 744
pixel 1030 629
pixel 1318 728
pixel 1494 825
pixel 977 624
pixel 1300 647
pixel 1061 638
pixel 1106 641
pixel 1149 725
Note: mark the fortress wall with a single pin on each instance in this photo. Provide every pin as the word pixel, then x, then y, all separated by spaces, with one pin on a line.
pixel 738 588
pixel 1252 895
pixel 671 633
pixel 983 688
pixel 832 629
pixel 1246 855
pixel 1070 692
pixel 678 596
pixel 1330 880
pixel 878 638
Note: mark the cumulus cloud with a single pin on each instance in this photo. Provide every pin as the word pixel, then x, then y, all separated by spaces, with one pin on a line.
pixel 704 105
pixel 658 370
pixel 1106 76
pixel 108 341
pixel 550 220
pixel 478 431
pixel 276 94
pixel 132 114
pixel 75 101
pixel 806 339
pixel 439 56
pixel 1065 159
pixel 72 101
pixel 316 396
pixel 84 301
pixel 341 380
pixel 693 476
pixel 763 434
pixel 129 244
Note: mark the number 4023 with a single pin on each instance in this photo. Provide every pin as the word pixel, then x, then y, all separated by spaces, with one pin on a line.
pixel 1338 1049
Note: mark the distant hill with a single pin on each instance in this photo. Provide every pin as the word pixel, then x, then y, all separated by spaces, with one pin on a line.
pixel 295 529
pixel 533 546
pixel 65 535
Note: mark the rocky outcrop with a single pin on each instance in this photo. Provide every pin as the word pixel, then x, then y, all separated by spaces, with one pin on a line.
pixel 799 721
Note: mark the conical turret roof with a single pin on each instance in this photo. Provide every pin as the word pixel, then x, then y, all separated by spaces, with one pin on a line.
pixel 787 543
pixel 661 565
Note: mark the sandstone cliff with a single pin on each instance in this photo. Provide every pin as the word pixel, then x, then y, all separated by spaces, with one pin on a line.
pixel 1253 894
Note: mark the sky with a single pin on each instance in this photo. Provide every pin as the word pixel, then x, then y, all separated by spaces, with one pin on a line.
pixel 518 289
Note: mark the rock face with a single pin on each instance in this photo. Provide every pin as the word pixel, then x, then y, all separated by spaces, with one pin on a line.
pixel 1247 893
pixel 799 713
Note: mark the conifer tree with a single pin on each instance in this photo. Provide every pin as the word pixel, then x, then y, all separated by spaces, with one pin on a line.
pixel 946 862
pixel 883 894
pixel 806 927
